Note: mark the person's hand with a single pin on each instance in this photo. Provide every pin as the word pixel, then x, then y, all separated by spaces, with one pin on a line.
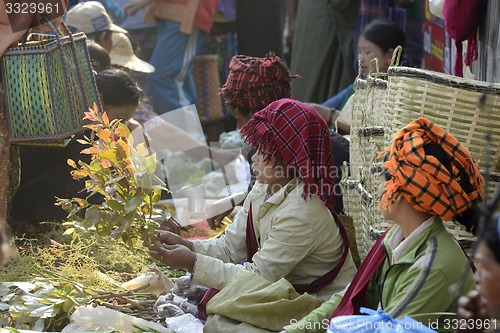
pixel 133 6
pixel 325 112
pixel 175 256
pixel 471 307
pixel 170 238
pixel 215 222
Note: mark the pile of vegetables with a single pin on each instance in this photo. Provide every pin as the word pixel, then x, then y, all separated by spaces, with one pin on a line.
pixel 45 283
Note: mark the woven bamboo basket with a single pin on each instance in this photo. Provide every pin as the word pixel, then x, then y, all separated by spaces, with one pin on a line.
pixel 350 197
pixel 352 207
pixel 454 104
pixel 374 223
pixel 371 133
pixel 375 133
pixel 360 103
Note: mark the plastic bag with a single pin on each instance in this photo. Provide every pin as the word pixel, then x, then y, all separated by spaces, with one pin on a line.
pixel 376 322
pixel 185 324
pixel 153 282
pixel 104 319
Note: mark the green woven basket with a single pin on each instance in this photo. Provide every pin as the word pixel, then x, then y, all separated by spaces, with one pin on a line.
pixel 207 83
pixel 48 86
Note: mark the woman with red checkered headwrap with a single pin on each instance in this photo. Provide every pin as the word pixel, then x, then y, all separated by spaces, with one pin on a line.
pixel 429 177
pixel 287 228
pixel 253 83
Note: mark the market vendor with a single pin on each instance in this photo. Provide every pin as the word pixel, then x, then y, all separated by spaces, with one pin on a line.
pixel 253 83
pixel 296 233
pixel 377 40
pixel 12 29
pixel 428 178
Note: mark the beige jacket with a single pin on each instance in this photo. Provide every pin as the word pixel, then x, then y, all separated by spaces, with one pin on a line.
pixel 298 240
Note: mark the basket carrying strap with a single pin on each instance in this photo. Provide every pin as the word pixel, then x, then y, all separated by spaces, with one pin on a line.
pixel 355 296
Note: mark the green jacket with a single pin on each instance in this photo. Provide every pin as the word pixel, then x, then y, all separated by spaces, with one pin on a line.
pixel 417 283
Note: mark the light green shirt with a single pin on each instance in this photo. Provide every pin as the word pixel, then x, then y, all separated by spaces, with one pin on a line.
pixel 416 282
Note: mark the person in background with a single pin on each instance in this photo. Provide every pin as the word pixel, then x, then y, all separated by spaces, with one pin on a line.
pixel 428 178
pixel 114 10
pixel 122 55
pixel 378 40
pixel 91 18
pixel 99 57
pixel 287 227
pixel 408 14
pixel 259 26
pixel 252 83
pixel 120 94
pixel 142 35
pixel 9 165
pixel 479 310
pixel 182 30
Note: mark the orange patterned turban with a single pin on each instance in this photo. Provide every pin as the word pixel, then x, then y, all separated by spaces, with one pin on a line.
pixel 431 170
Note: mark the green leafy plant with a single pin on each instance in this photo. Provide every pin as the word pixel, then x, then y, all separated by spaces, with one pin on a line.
pixel 123 174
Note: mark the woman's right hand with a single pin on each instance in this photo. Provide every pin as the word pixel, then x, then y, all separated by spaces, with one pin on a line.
pixel 470 309
pixel 170 238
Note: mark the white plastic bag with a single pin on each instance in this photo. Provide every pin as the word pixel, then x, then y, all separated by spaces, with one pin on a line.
pixel 185 324
pixel 153 282
pixel 104 319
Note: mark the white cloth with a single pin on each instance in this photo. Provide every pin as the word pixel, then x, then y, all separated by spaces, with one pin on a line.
pixel 399 245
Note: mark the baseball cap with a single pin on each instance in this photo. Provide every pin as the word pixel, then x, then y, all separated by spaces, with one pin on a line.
pixel 89 17
pixel 123 55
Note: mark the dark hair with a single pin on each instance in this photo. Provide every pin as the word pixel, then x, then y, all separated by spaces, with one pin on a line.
pixel 384 33
pixel 99 57
pixel 96 35
pixel 118 88
pixel 245 111
pixel 491 237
